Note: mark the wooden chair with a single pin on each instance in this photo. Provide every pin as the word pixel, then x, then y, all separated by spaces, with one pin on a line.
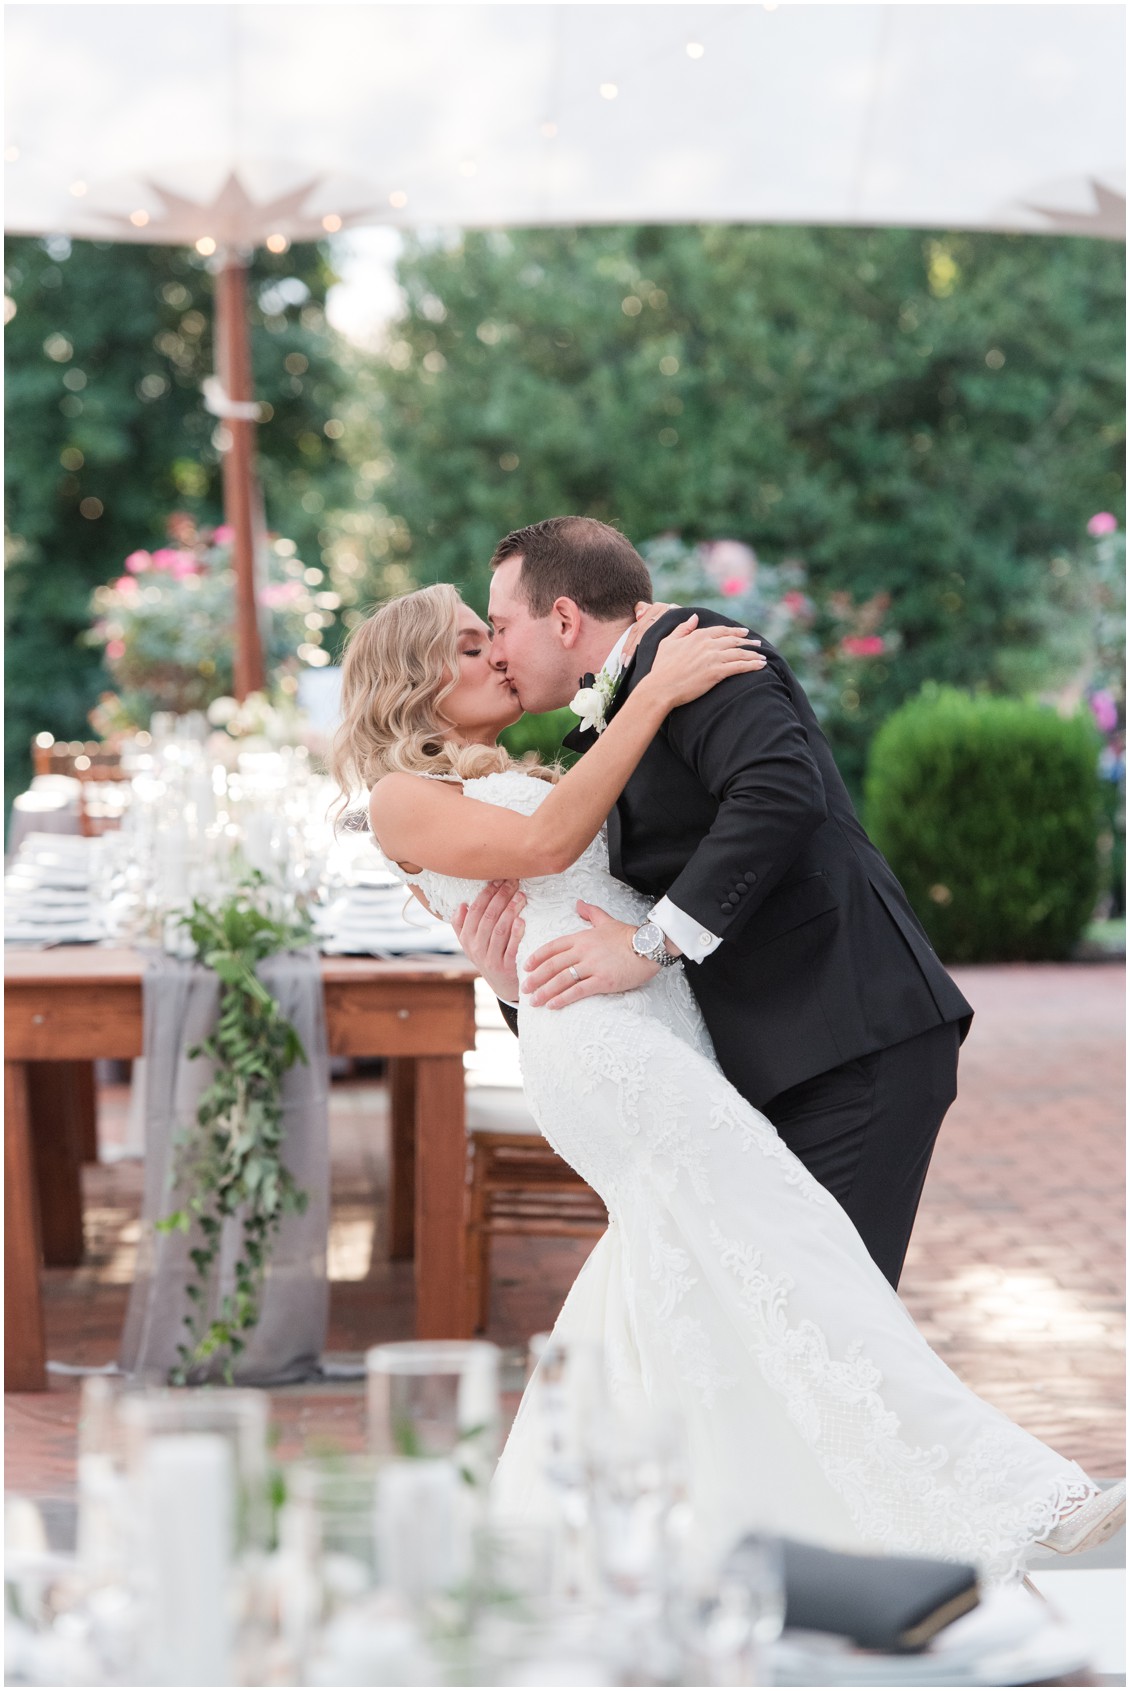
pixel 102 803
pixel 87 760
pixel 94 766
pixel 517 1184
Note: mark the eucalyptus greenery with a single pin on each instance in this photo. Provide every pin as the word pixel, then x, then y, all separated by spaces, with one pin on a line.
pixel 230 1160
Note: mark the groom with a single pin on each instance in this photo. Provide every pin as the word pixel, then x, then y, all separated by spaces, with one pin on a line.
pixel 828 1008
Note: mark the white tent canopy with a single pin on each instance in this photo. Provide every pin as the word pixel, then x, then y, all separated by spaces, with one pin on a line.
pixel 178 123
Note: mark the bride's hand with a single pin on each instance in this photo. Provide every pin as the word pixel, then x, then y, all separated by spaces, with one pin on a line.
pixel 646 614
pixel 691 660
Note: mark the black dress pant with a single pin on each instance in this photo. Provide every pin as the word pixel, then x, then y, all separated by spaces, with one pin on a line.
pixel 866 1131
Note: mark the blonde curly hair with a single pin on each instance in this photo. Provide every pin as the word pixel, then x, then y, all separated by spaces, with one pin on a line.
pixel 398 667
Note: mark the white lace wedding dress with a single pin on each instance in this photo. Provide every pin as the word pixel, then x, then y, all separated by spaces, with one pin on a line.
pixel 733 1288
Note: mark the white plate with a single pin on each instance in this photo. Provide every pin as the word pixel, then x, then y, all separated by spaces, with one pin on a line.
pixel 39 937
pixel 1012 1638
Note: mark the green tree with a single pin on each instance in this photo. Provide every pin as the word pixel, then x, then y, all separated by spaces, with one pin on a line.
pixel 931 415
pixel 107 434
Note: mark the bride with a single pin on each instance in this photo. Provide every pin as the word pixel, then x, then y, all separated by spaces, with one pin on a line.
pixel 730 1286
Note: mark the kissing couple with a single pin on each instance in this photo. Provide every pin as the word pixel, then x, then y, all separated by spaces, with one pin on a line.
pixel 731 1025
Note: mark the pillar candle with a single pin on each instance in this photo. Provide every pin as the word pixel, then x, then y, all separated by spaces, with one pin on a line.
pixel 258 830
pixel 421 1526
pixel 172 864
pixel 185 1503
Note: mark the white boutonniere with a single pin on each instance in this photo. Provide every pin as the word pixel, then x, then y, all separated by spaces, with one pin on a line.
pixel 592 701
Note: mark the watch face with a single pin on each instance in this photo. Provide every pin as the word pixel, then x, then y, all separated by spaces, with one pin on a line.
pixel 646 939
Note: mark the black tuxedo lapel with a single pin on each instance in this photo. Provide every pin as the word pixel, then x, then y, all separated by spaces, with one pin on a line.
pixel 575 741
pixel 615 861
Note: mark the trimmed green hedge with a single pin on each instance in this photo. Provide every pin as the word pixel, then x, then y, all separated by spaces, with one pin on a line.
pixel 988 811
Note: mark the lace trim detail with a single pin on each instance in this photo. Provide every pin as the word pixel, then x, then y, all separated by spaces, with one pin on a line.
pixel 895 1493
pixel 758 1135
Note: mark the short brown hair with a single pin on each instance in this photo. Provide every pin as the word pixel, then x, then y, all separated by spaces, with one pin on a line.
pixel 577 558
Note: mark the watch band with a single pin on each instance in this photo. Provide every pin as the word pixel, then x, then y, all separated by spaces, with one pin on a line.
pixel 657 953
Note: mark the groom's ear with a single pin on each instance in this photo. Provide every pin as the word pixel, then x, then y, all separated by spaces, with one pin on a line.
pixel 568 621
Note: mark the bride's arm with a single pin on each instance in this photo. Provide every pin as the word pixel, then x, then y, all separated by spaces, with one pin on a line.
pixel 433 825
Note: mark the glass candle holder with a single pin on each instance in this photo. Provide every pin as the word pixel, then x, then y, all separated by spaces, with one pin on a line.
pixel 327 1546
pixel 436 1399
pixel 197 1497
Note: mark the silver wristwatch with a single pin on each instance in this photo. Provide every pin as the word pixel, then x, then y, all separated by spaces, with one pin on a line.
pixel 651 942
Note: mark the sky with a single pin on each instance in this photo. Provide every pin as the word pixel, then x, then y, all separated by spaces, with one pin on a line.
pixel 367 296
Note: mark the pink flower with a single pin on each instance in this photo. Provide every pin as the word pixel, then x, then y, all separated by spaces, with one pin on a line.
pixel 116 649
pixel 1103 522
pixel 863 645
pixel 795 601
pixel 224 535
pixel 278 594
pixel 127 585
pixel 1105 711
pixel 174 561
pixel 137 562
pixel 727 561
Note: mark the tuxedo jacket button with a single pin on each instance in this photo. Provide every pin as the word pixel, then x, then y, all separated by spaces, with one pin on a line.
pixel 727 908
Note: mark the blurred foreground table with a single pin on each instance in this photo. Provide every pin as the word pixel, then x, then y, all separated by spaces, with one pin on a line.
pixel 70 1005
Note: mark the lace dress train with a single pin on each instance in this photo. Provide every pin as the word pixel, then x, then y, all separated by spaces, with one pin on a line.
pixel 732 1287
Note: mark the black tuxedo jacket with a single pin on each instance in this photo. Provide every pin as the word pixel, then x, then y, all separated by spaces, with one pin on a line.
pixel 738 814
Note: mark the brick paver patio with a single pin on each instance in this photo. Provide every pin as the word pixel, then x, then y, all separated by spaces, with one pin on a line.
pixel 1015 1272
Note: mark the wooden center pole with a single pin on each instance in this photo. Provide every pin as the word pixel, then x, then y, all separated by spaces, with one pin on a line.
pixel 233 363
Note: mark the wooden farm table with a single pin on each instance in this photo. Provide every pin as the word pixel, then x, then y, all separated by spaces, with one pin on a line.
pixel 67 1006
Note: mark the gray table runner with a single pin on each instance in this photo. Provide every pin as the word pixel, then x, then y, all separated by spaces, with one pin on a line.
pixel 180 1002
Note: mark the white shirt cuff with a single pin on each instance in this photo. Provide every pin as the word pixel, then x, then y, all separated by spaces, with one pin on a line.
pixel 693 940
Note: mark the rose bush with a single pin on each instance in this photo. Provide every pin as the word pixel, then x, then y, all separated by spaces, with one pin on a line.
pixel 166 625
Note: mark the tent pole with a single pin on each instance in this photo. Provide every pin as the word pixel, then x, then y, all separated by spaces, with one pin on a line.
pixel 234 369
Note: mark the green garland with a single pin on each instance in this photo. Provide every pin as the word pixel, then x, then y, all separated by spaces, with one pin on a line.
pixel 231 1158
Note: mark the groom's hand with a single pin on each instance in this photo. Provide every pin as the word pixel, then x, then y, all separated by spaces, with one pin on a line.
pixel 602 955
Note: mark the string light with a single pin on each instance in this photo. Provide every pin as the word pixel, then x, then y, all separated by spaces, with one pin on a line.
pixel 78 189
pixel 695 49
pixel 205 246
pixel 11 154
pixel 398 198
pixel 467 167
pixel 608 90
pixel 549 130
pixel 277 243
pixel 139 219
pixel 332 223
